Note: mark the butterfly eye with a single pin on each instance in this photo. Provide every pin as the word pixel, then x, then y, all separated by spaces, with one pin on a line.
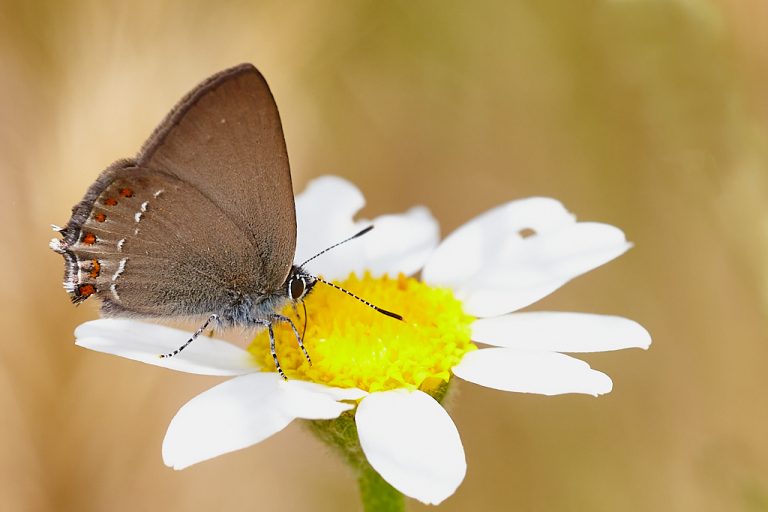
pixel 297 288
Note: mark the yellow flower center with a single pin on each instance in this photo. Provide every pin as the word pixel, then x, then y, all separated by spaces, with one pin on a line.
pixel 351 345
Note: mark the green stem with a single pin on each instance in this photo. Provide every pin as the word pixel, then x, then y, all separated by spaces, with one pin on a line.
pixel 378 495
pixel 341 435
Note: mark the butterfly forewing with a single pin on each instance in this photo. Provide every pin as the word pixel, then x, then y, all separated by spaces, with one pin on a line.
pixel 225 139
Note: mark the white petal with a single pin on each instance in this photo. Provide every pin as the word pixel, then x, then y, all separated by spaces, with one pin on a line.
pixel 145 342
pixel 462 254
pixel 410 440
pixel 241 412
pixel 546 373
pixel 400 243
pixel 540 265
pixel 561 332
pixel 324 215
pixel 493 269
pixel 312 401
pixel 335 393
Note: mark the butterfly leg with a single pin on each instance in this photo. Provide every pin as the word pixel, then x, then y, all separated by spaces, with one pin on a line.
pixel 273 351
pixel 304 329
pixel 281 318
pixel 190 340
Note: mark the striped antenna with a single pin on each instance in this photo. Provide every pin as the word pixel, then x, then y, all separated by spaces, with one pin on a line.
pixel 361 233
pixel 373 306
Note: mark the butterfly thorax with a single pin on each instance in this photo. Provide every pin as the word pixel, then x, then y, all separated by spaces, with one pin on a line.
pixel 249 310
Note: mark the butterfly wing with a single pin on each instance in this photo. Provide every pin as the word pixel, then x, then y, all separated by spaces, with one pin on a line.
pixel 225 139
pixel 187 228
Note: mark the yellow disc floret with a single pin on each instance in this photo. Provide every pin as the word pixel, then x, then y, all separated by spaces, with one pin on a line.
pixel 351 345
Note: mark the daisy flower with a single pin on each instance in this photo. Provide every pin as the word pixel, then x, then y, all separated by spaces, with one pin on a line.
pixel 375 387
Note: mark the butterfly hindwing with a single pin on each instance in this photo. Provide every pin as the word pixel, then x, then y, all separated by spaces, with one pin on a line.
pixel 147 248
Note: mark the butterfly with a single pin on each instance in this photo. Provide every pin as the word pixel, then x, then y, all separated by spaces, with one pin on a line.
pixel 201 223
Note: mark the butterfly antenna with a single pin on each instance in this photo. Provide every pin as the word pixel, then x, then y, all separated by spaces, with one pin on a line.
pixel 373 306
pixel 359 234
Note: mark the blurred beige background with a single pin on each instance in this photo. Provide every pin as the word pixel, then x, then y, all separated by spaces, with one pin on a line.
pixel 650 115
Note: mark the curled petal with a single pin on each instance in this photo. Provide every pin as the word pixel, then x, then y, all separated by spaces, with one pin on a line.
pixel 311 389
pixel 241 412
pixel 142 341
pixel 410 440
pixel 545 373
pixel 561 332
pixel 324 215
pixel 518 253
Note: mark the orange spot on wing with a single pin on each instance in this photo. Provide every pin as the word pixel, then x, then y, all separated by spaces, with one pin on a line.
pixel 126 192
pixel 95 269
pixel 110 201
pixel 100 217
pixel 89 239
pixel 85 290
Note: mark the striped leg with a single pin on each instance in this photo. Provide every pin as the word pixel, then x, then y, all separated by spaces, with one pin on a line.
pixel 281 318
pixel 190 340
pixel 273 351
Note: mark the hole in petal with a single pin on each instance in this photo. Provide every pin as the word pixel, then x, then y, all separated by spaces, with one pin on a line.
pixel 526 232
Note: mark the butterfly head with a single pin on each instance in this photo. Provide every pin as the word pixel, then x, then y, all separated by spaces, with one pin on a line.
pixel 299 283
